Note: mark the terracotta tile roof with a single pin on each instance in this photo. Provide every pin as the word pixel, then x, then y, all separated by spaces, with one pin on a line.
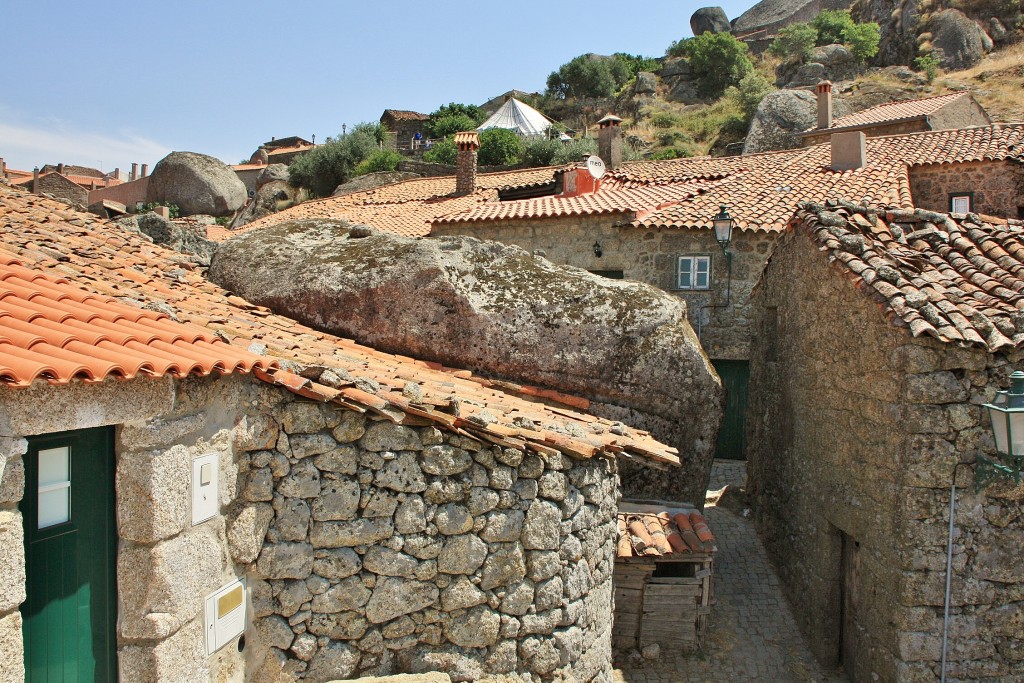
pixel 670 534
pixel 288 150
pixel 405 115
pixel 893 112
pixel 54 330
pixel 247 167
pixel 85 181
pixel 49 237
pixel 470 137
pixel 408 208
pixel 15 176
pixel 959 279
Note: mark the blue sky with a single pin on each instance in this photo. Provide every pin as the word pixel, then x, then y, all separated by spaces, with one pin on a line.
pixel 109 83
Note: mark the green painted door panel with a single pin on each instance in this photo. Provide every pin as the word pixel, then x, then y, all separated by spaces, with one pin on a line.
pixel 732 440
pixel 70 612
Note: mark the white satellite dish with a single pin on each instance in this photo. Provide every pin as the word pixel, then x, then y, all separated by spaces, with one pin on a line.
pixel 595 166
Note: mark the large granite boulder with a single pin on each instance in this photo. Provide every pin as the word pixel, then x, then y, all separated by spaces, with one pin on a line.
pixel 197 184
pixel 497 310
pixel 779 119
pixel 182 237
pixel 898 22
pixel 957 41
pixel 712 19
pixel 272 173
pixel 771 15
pixel 270 197
pixel 646 84
pixel 831 62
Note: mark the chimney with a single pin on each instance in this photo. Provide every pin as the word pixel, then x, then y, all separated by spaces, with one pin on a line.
pixel 3 168
pixel 824 104
pixel 60 169
pixel 135 172
pixel 145 170
pixel 609 140
pixel 849 150
pixel 117 174
pixel 35 180
pixel 465 164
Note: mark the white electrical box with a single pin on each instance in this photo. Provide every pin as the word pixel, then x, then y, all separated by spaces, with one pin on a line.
pixel 225 615
pixel 204 487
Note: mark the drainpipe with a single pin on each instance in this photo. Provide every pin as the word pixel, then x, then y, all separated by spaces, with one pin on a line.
pixel 949 570
pixel 728 295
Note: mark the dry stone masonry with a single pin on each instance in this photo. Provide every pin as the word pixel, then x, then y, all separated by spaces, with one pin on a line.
pixel 392 548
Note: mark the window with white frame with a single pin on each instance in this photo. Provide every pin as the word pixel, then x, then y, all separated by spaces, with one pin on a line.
pixel 960 203
pixel 693 272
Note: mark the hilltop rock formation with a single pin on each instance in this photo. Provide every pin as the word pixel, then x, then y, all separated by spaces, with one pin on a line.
pixel 957 41
pixel 771 15
pixel 197 184
pixel 712 19
pixel 497 310
pixel 779 119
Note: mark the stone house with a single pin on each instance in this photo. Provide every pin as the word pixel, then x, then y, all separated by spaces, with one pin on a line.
pixel 402 126
pixel 651 220
pixel 941 112
pixel 878 335
pixel 382 514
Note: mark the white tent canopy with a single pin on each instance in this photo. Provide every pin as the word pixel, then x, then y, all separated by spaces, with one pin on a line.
pixel 518 116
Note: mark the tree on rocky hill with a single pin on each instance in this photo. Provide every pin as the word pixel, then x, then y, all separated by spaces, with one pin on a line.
pixel 326 166
pixel 717 61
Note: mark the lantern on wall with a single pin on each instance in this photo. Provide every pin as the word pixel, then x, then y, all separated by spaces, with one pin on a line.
pixel 1006 413
pixel 723 223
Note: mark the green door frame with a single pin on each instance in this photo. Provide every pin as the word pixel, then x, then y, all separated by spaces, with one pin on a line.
pixel 732 437
pixel 70 613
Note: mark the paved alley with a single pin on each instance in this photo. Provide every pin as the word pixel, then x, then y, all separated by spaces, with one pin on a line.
pixel 751 635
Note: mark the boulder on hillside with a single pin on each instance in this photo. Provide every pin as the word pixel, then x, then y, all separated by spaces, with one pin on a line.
pixel 182 238
pixel 197 184
pixel 898 22
pixel 831 62
pixel 500 311
pixel 370 181
pixel 779 119
pixel 271 197
pixel 713 19
pixel 958 42
pixel 646 84
pixel 771 15
pixel 272 173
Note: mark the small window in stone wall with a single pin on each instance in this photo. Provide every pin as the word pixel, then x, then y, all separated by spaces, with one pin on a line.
pixel 693 272
pixel 961 202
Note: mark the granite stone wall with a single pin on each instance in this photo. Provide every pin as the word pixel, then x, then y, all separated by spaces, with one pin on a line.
pixel 996 185
pixel 645 255
pixel 855 429
pixel 405 549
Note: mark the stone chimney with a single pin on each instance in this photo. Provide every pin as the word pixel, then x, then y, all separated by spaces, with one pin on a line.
pixel 465 164
pixel 849 150
pixel 35 180
pixel 117 174
pixel 60 169
pixel 824 104
pixel 609 140
pixel 3 168
pixel 145 170
pixel 134 175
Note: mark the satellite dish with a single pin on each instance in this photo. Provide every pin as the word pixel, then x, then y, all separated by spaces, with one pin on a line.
pixel 595 166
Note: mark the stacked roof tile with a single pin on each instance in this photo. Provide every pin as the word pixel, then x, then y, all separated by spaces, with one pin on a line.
pixel 895 112
pixel 666 535
pixel 55 242
pixel 957 280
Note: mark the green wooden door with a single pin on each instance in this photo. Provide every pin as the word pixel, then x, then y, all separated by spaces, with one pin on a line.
pixel 70 549
pixel 732 439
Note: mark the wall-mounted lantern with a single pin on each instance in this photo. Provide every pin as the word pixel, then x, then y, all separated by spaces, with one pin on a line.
pixel 1006 413
pixel 598 251
pixel 723 224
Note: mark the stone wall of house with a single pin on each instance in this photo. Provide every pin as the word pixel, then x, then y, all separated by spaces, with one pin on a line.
pixel 996 186
pixel 854 430
pixel 62 188
pixel 963 112
pixel 650 256
pixel 129 193
pixel 405 549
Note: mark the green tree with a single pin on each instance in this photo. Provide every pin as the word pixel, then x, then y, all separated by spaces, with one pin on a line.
pixel 442 152
pixel 383 160
pixel 540 151
pixel 635 64
pixel 795 39
pixel 453 118
pixel 573 151
pixel 500 147
pixel 832 25
pixel 328 165
pixel 929 64
pixel 591 75
pixel 718 61
pixel 863 40
pixel 751 89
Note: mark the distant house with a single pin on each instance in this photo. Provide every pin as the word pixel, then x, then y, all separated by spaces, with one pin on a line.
pixel 285 150
pixel 402 126
pixel 877 336
pixel 942 112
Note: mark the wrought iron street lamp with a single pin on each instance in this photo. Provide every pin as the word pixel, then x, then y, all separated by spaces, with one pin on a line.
pixel 723 223
pixel 1007 415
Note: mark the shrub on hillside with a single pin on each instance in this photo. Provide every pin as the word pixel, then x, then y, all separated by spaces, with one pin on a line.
pixel 717 61
pixel 453 118
pixel 863 40
pixel 540 152
pixel 499 147
pixel 751 90
pixel 442 152
pixel 795 40
pixel 326 166
pixel 591 76
pixel 832 26
pixel 381 161
pixel 829 27
pixel 573 151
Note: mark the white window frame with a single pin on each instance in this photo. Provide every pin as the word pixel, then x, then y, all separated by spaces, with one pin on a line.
pixel 696 269
pixel 966 196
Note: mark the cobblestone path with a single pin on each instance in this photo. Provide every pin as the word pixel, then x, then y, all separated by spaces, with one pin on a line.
pixel 751 635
